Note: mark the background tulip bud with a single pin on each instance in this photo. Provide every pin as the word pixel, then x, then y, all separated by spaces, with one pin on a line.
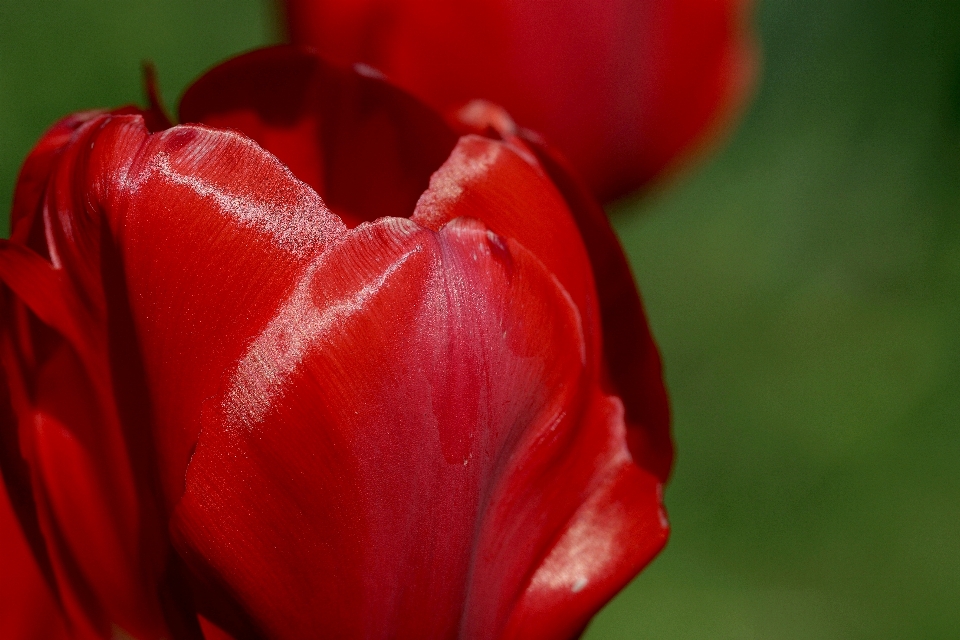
pixel 624 88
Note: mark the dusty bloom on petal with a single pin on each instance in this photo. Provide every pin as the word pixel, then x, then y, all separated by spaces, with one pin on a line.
pixel 625 88
pixel 317 365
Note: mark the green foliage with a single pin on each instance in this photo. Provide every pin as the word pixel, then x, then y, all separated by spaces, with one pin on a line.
pixel 805 289
pixel 61 56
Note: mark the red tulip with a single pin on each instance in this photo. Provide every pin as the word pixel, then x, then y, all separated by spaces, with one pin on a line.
pixel 624 88
pixel 317 366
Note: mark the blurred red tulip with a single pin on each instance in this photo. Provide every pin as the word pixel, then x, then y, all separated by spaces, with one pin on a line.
pixel 318 366
pixel 625 88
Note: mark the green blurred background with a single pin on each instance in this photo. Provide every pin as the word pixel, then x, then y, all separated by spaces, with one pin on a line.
pixel 804 284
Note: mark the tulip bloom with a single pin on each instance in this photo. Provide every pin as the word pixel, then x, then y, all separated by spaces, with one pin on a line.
pixel 624 88
pixel 318 365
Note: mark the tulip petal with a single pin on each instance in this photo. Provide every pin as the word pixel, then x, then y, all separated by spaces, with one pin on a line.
pixel 417 416
pixel 92 494
pixel 36 172
pixel 617 531
pixel 624 88
pixel 28 608
pixel 214 232
pixel 631 355
pixel 366 147
pixel 259 226
pixel 503 185
pixel 212 632
pixel 117 210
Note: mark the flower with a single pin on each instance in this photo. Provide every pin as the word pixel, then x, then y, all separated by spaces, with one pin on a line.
pixel 318 365
pixel 624 88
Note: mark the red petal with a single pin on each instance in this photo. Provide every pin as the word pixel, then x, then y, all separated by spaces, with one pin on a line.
pixel 618 530
pixel 32 181
pixel 92 493
pixel 631 356
pixel 258 226
pixel 418 418
pixel 212 631
pixel 504 186
pixel 36 172
pixel 623 87
pixel 28 608
pixel 366 147
pixel 83 418
pixel 117 212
